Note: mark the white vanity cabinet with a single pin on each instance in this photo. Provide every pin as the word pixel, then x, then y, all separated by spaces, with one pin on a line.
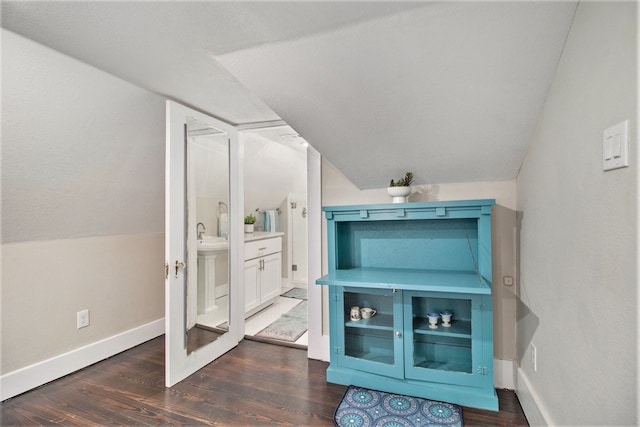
pixel 262 270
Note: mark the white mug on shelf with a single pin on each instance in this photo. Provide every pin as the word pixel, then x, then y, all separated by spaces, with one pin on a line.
pixel 446 318
pixel 367 312
pixel 433 320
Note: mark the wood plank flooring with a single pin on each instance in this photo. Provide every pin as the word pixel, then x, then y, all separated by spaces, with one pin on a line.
pixel 255 384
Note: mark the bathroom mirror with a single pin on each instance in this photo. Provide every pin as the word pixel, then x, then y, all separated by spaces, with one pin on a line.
pixel 207 257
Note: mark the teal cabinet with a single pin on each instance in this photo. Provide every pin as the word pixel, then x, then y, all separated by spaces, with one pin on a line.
pixel 407 261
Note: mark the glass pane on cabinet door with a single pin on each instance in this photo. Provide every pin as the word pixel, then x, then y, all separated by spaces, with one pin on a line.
pixel 369 327
pixel 442 337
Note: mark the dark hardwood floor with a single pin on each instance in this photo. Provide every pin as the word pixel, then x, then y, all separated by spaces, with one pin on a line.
pixel 255 384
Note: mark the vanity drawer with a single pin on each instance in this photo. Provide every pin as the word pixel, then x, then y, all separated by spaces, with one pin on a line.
pixel 263 247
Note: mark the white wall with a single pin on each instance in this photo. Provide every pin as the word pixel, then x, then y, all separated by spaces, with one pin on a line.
pixel 271 171
pixel 82 204
pixel 338 190
pixel 578 256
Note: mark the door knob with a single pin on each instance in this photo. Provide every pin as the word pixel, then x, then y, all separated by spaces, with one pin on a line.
pixel 398 334
pixel 179 266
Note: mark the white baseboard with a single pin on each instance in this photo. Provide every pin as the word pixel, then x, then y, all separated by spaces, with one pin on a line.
pixel 40 373
pixel 504 374
pixel 533 408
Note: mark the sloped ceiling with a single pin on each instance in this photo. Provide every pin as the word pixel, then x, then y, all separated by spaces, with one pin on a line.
pixel 450 91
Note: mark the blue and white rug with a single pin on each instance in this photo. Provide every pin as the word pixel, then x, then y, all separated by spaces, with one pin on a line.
pixel 361 407
pixel 288 327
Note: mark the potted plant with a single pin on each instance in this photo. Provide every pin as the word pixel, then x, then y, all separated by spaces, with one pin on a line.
pixel 401 188
pixel 249 221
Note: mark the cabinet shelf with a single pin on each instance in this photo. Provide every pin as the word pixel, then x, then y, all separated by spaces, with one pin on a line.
pixel 445 366
pixel 458 328
pixel 409 279
pixel 374 357
pixel 383 322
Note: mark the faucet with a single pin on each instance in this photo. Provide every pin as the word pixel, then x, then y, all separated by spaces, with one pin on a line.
pixel 198 230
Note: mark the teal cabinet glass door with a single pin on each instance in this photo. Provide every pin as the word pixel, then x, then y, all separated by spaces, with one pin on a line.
pixel 370 344
pixel 446 352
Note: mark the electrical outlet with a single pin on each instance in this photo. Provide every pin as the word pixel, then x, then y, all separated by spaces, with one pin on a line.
pixel 83 318
pixel 534 358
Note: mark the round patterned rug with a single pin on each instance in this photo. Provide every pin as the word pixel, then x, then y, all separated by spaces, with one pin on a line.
pixel 361 407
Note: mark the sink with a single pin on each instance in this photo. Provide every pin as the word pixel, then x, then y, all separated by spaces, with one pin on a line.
pixel 209 247
pixel 209 244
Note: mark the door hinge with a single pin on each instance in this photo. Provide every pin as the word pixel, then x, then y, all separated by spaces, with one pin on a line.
pixel 294 267
pixel 483 370
pixel 166 271
pixel 294 205
pixel 336 297
pixel 336 350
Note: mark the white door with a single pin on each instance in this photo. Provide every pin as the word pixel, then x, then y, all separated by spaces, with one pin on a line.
pixel 203 181
pixel 299 241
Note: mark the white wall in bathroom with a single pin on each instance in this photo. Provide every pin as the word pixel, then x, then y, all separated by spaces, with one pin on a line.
pixel 82 204
pixel 211 164
pixel 272 171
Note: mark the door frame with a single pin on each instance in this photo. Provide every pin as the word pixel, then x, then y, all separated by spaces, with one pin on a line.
pixel 318 347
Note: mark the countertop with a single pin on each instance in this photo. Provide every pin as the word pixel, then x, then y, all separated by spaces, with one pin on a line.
pixel 260 235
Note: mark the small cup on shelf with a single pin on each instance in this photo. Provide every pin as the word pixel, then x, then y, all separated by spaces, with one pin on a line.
pixel 367 312
pixel 354 314
pixel 446 318
pixel 433 320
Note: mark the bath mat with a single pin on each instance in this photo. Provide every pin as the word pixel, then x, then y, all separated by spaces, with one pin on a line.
pixel 298 293
pixel 364 407
pixel 289 327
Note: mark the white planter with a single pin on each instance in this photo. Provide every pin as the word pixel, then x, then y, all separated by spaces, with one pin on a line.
pixel 399 194
pixel 248 228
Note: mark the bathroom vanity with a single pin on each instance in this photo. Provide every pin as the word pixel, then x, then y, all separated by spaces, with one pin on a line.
pixel 262 269
pixel 411 262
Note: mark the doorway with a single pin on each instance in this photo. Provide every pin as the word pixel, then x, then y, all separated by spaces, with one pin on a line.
pixel 275 176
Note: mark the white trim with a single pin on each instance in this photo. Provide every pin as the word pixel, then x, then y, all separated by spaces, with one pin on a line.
pixel 318 346
pixel 40 373
pixel 504 374
pixel 531 404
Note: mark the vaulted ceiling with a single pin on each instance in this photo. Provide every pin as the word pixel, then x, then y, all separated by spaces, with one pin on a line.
pixel 451 91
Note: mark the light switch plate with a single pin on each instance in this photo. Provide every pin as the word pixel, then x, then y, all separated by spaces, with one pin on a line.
pixel 615 147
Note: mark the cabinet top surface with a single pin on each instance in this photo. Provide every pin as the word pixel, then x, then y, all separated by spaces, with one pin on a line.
pixel 414 205
pixel 409 279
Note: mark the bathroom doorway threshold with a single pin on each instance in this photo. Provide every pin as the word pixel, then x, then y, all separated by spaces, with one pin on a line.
pixel 286 317
pixel 276 342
